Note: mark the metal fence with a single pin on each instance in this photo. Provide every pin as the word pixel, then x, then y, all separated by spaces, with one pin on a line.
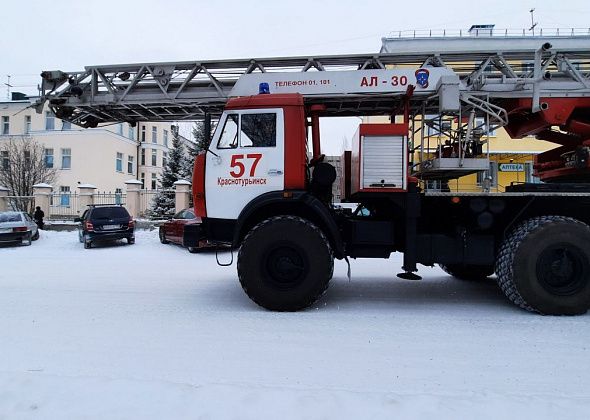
pixel 64 205
pixel 147 200
pixel 110 198
pixel 490 32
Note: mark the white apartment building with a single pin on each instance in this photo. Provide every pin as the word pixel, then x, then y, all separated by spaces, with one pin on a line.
pixel 104 157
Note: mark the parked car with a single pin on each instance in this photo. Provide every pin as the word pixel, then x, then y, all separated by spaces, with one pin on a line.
pixel 173 230
pixel 17 227
pixel 101 223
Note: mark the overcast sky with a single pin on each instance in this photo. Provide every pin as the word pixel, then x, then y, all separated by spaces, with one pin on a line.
pixel 68 35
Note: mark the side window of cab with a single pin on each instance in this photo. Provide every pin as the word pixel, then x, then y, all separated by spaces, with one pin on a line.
pixel 229 134
pixel 249 130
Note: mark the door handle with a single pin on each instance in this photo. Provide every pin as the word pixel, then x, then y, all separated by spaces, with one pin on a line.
pixel 275 172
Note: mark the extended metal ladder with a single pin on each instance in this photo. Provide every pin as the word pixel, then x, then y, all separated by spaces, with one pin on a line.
pixel 494 67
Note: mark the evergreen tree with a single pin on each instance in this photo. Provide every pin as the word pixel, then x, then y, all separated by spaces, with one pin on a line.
pixel 163 204
pixel 199 145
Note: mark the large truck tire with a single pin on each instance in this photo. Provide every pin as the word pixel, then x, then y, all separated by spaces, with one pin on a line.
pixel 285 263
pixel 467 271
pixel 544 266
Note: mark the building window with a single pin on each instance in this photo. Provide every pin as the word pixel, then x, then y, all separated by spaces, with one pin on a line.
pixel 143 156
pixel 154 182
pixel 166 138
pixel 49 120
pixel 142 179
pixel 119 162
pixel 27 124
pixel 164 159
pixel 143 133
pixel 120 129
pixel 66 125
pixel 154 135
pixel 5 125
pixel 48 158
pixel 129 164
pixel 5 161
pixel 64 196
pixel 481 124
pixel 131 133
pixel 66 158
pixel 154 157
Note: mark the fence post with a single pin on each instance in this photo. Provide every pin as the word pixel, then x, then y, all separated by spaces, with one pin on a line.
pixel 41 194
pixel 3 199
pixel 181 195
pixel 86 196
pixel 133 187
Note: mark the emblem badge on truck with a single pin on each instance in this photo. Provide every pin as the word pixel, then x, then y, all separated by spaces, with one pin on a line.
pixel 422 77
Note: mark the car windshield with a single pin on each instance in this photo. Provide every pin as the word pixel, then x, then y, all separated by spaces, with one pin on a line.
pixel 109 213
pixel 10 217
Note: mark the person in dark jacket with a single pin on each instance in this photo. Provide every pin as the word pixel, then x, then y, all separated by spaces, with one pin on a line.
pixel 38 216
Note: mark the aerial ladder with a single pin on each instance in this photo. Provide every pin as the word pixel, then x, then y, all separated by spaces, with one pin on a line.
pixel 258 191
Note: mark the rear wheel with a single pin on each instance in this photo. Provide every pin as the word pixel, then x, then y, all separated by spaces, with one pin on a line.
pixel 130 241
pixel 162 235
pixel 28 239
pixel 87 243
pixel 544 266
pixel 36 235
pixel 467 271
pixel 285 263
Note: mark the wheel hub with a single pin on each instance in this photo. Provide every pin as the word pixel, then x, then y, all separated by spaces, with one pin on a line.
pixel 563 269
pixel 286 267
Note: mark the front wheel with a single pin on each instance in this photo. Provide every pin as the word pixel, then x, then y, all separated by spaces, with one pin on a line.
pixel 162 235
pixel 544 266
pixel 285 263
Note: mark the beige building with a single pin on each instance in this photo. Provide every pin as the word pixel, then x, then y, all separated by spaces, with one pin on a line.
pixel 104 157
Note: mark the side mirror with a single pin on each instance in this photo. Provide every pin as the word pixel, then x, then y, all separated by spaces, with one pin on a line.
pixel 77 219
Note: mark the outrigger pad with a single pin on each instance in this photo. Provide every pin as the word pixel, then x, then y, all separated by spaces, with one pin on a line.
pixel 409 276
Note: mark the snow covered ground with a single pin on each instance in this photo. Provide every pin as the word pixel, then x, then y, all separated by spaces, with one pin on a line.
pixel 150 331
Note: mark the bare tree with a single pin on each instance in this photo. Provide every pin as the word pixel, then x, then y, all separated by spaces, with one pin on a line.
pixel 22 165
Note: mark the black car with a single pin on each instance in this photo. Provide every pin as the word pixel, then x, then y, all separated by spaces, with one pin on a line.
pixel 105 223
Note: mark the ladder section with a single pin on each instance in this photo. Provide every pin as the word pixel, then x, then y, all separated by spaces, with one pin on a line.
pixel 175 91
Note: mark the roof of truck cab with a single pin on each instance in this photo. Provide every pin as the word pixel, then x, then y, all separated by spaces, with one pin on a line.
pixel 265 101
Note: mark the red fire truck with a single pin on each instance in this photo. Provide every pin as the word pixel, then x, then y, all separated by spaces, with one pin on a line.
pixel 264 188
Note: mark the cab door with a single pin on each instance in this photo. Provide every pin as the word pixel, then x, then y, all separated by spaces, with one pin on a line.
pixel 247 160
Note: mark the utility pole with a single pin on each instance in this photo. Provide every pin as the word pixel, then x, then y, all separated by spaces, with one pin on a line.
pixel 8 86
pixel 533 23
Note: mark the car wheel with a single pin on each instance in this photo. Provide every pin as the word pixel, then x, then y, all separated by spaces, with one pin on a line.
pixel 36 235
pixel 28 239
pixel 87 243
pixel 130 241
pixel 163 235
pixel 80 236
